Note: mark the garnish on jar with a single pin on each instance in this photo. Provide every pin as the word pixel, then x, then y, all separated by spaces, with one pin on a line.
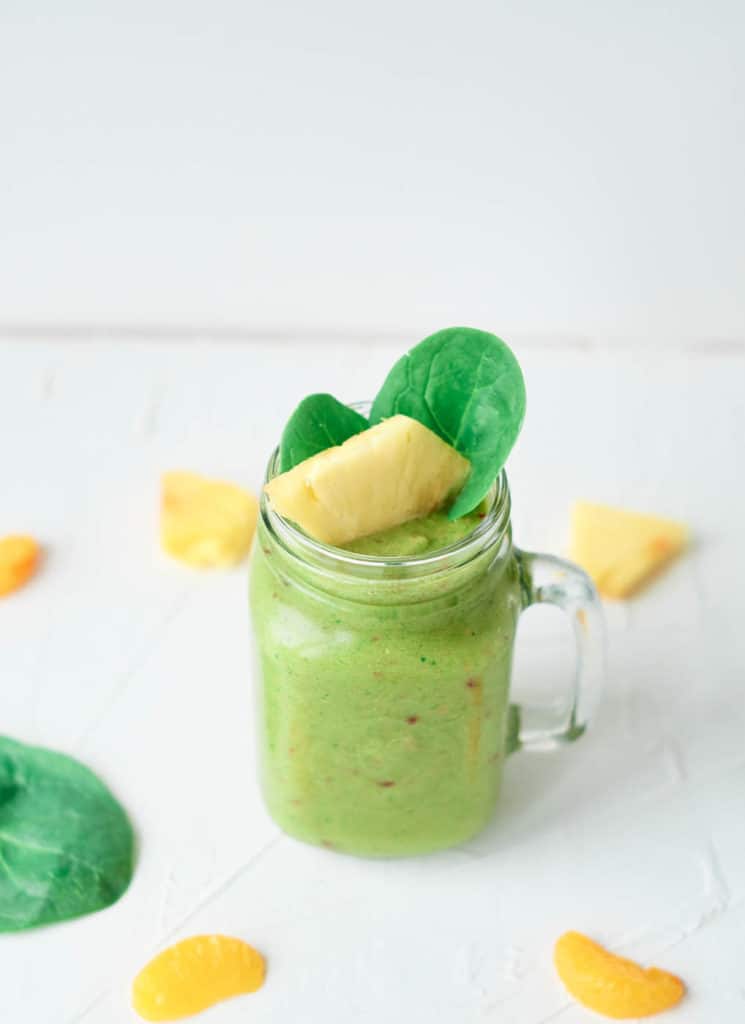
pixel 386 475
pixel 342 480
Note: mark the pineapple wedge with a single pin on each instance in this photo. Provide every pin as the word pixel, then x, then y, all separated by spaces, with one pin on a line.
pixel 622 550
pixel 396 471
pixel 205 523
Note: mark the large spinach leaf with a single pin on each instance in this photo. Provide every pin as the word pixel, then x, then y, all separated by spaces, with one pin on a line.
pixel 318 423
pixel 466 386
pixel 66 845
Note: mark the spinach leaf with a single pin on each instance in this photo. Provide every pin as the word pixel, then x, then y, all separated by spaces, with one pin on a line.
pixel 466 386
pixel 318 423
pixel 66 845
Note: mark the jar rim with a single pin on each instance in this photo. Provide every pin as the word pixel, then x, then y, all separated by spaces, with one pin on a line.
pixel 301 545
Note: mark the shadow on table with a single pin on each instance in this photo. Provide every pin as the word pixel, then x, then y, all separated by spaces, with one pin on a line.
pixel 619 761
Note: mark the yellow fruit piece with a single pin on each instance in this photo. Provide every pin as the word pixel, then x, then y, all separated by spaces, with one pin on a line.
pixel 610 984
pixel 194 975
pixel 206 523
pixel 622 550
pixel 396 471
pixel 19 558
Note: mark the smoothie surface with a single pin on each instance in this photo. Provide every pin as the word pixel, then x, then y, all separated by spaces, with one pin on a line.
pixel 418 536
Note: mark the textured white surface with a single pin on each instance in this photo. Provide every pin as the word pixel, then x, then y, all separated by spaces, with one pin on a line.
pixel 142 668
pixel 574 167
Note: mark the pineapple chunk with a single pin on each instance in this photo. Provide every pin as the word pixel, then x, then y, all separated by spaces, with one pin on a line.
pixel 622 550
pixel 396 471
pixel 206 523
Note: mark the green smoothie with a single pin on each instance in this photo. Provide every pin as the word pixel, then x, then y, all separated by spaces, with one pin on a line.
pixel 417 537
pixel 383 697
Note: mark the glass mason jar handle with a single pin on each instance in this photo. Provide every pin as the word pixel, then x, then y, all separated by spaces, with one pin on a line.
pixel 549 580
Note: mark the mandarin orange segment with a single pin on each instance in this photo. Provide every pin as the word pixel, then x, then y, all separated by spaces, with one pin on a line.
pixel 19 558
pixel 195 974
pixel 206 523
pixel 610 984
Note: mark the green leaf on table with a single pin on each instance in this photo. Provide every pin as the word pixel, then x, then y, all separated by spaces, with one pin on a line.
pixel 66 845
pixel 467 386
pixel 318 423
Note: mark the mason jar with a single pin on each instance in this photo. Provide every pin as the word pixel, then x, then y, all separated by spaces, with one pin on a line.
pixel 383 684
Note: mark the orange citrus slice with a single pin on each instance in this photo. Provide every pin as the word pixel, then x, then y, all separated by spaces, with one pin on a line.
pixel 610 984
pixel 195 974
pixel 19 557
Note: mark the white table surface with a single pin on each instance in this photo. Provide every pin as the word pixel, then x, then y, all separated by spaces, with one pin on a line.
pixel 141 667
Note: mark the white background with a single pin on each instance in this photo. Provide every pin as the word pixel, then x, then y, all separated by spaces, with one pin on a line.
pixel 566 169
